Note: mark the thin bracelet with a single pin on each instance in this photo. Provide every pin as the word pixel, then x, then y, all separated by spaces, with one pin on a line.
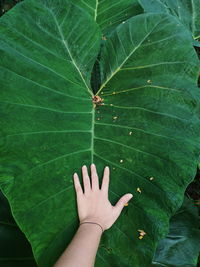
pixel 93 223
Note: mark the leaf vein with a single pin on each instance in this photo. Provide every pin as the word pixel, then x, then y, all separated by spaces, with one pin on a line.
pixel 129 147
pixel 50 109
pixel 134 173
pixel 46 87
pixel 148 110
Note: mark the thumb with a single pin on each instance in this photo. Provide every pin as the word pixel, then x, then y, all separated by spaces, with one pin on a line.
pixel 121 202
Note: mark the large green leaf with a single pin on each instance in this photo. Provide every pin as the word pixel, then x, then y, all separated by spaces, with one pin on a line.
pixel 147 128
pixel 188 11
pixel 109 13
pixel 51 106
pixel 180 248
pixel 14 248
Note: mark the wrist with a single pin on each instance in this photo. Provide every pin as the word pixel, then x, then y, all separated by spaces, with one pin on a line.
pixel 91 226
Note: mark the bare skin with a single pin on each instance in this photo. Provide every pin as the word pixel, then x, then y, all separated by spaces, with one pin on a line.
pixel 93 206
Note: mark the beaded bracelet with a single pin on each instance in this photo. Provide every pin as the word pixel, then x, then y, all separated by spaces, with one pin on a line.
pixel 93 223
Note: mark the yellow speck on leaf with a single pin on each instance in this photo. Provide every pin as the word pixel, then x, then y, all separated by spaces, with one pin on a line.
pixel 149 81
pixel 114 93
pixel 111 104
pixel 115 118
pixel 139 190
pixel 130 133
pixel 98 119
pixel 142 234
pixel 151 178
pixel 104 38
pixel 121 160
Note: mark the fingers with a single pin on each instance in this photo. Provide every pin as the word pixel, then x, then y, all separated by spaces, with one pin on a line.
pixel 86 180
pixel 105 181
pixel 121 202
pixel 77 185
pixel 95 179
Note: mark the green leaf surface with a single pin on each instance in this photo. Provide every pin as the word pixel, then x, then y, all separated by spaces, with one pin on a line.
pixel 181 246
pixel 110 13
pixel 188 11
pixel 148 128
pixel 14 248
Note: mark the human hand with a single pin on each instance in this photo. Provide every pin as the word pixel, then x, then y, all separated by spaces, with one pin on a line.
pixel 93 204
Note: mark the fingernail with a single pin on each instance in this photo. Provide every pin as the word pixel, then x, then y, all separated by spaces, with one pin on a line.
pixel 131 195
pixel 107 167
pixel 75 174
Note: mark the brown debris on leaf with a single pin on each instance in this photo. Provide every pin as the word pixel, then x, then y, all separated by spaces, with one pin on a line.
pixel 97 100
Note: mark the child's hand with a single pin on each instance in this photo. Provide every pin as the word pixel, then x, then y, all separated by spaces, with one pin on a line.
pixel 93 204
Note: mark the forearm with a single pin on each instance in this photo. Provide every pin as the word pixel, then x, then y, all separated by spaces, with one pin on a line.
pixel 82 250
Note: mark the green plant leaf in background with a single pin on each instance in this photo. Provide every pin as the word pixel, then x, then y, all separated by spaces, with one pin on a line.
pixel 188 11
pixel 146 127
pixel 14 248
pixel 110 13
pixel 181 246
